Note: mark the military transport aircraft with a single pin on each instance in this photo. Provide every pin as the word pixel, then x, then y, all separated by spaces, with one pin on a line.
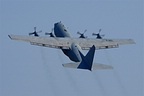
pixel 72 47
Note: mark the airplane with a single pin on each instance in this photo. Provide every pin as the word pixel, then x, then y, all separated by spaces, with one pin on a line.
pixel 72 47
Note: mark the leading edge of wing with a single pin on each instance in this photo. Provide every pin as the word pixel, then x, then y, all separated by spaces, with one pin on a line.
pixel 124 41
pixel 65 43
pixel 19 37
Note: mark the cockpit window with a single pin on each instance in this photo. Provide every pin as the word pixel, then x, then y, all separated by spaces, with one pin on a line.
pixel 65 30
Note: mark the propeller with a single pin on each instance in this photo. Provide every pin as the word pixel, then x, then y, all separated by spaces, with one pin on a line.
pixel 82 34
pixel 51 33
pixel 35 33
pixel 98 34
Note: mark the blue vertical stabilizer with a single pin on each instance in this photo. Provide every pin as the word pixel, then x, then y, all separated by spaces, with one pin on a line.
pixel 87 60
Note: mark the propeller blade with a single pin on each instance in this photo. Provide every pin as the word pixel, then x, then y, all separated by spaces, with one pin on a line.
pixel 34 29
pixel 94 34
pixel 50 34
pixel 98 36
pixel 35 32
pixel 103 35
pixel 79 33
pixel 47 33
pixel 31 33
pixel 82 34
pixel 85 31
pixel 100 30
pixel 39 31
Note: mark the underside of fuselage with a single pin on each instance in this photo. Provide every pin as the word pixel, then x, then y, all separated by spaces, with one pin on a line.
pixel 72 56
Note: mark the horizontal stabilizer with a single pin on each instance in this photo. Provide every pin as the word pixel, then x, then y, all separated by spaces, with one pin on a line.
pixel 101 66
pixel 71 65
pixel 95 66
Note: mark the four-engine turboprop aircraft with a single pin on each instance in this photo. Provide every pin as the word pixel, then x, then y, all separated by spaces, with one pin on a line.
pixel 72 47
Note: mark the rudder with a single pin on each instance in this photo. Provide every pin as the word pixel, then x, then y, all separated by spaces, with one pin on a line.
pixel 87 60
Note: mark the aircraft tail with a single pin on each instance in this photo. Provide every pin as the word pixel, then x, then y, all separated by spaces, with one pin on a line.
pixel 87 60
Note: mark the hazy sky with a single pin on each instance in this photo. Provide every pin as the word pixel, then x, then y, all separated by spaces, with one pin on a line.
pixel 27 70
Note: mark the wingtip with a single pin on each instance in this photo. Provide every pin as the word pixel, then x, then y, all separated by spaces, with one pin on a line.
pixel 9 36
pixel 111 67
pixel 132 41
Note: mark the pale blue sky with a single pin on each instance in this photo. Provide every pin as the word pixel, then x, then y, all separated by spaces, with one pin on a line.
pixel 27 70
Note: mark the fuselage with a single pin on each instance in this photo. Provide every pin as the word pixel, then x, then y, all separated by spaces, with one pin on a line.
pixel 73 52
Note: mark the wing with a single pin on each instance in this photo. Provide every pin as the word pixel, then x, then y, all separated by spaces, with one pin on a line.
pixel 65 43
pixel 103 43
pixel 95 66
pixel 51 42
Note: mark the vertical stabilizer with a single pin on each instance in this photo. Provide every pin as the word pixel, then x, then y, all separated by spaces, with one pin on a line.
pixel 87 60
